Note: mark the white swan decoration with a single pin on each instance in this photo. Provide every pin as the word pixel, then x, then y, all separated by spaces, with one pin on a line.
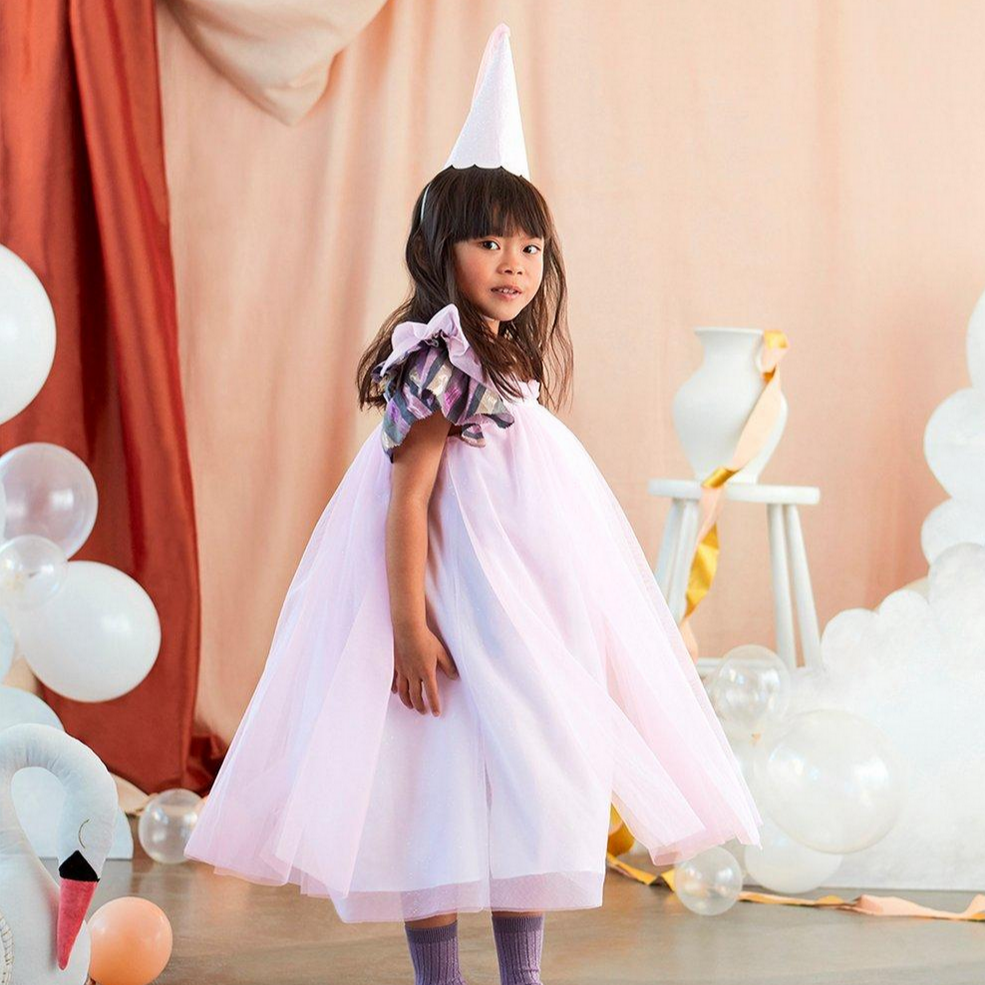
pixel 42 937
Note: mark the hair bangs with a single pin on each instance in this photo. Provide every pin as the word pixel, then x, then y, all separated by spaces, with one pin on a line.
pixel 495 203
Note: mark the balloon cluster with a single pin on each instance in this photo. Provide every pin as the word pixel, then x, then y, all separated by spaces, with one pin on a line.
pixel 87 630
pixel 826 782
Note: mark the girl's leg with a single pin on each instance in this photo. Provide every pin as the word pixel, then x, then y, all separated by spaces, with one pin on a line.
pixel 436 921
pixel 433 944
pixel 519 943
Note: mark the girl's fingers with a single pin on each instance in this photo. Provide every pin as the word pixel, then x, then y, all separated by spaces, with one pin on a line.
pixel 431 683
pixel 417 697
pixel 403 689
pixel 447 664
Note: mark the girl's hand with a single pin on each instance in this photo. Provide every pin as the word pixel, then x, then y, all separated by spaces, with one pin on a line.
pixel 416 658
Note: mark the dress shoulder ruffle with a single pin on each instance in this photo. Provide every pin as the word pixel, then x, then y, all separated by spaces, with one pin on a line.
pixel 433 367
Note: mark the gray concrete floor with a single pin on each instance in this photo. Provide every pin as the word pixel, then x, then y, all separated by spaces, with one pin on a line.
pixel 230 932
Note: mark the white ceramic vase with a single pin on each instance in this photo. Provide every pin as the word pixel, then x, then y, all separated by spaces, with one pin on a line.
pixel 712 407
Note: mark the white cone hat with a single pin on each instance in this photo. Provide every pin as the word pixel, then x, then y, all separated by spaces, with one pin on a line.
pixel 492 136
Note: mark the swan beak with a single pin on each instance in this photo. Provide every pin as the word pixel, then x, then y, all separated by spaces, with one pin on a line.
pixel 74 897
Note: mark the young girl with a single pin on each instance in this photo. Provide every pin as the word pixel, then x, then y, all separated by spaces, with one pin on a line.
pixel 473 660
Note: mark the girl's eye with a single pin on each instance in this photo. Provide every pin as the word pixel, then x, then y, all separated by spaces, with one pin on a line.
pixel 531 246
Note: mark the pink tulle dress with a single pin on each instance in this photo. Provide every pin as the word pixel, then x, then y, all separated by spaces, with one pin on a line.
pixel 575 687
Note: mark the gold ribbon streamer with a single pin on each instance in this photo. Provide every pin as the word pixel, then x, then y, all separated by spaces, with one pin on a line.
pixel 873 906
pixel 757 429
pixel 620 837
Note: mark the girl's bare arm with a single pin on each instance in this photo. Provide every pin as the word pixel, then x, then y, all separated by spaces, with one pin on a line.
pixel 417 651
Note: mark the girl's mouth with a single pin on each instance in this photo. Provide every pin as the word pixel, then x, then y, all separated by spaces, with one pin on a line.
pixel 507 292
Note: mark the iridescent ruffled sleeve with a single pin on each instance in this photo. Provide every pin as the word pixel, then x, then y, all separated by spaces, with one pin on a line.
pixel 424 380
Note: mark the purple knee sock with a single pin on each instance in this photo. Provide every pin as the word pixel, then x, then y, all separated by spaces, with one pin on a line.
pixel 519 942
pixel 434 954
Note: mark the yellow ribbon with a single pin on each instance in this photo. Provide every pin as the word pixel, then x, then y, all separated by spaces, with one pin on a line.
pixel 755 432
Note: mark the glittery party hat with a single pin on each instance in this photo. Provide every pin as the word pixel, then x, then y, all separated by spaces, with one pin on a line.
pixel 492 136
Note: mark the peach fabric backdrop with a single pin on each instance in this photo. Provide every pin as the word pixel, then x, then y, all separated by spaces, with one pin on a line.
pixel 811 167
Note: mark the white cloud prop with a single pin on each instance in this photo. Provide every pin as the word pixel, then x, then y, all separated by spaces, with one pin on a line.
pixel 916 668
pixel 953 522
pixel 976 344
pixel 954 445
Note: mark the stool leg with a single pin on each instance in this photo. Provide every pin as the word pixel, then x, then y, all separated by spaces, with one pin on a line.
pixel 667 544
pixel 782 608
pixel 810 639
pixel 687 539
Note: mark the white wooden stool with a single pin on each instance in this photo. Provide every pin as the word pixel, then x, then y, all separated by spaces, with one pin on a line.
pixel 787 557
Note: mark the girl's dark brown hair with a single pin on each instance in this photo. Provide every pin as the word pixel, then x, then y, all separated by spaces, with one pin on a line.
pixel 466 204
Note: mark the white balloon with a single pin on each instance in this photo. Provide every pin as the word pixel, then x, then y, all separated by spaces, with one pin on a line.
pixel 32 569
pixel 784 865
pixel 27 335
pixel 96 639
pixel 50 492
pixel 954 446
pixel 747 750
pixel 709 883
pixel 953 522
pixel 831 780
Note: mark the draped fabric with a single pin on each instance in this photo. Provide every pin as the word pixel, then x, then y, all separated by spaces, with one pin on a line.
pixel 83 201
pixel 277 54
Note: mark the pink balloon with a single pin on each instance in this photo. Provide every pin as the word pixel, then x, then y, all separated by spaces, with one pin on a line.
pixel 130 941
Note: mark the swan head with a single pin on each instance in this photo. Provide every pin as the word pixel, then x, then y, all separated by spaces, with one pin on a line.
pixel 87 821
pixel 85 837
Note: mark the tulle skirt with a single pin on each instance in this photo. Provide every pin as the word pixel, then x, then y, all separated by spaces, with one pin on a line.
pixel 575 690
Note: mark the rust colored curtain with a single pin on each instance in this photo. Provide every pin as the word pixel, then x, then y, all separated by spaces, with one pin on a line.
pixel 83 201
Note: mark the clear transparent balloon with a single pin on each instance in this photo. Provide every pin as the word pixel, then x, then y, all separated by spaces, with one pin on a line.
pixel 709 883
pixel 750 688
pixel 49 492
pixel 166 824
pixel 831 780
pixel 32 569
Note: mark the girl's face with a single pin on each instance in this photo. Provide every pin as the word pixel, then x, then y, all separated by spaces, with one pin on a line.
pixel 499 274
